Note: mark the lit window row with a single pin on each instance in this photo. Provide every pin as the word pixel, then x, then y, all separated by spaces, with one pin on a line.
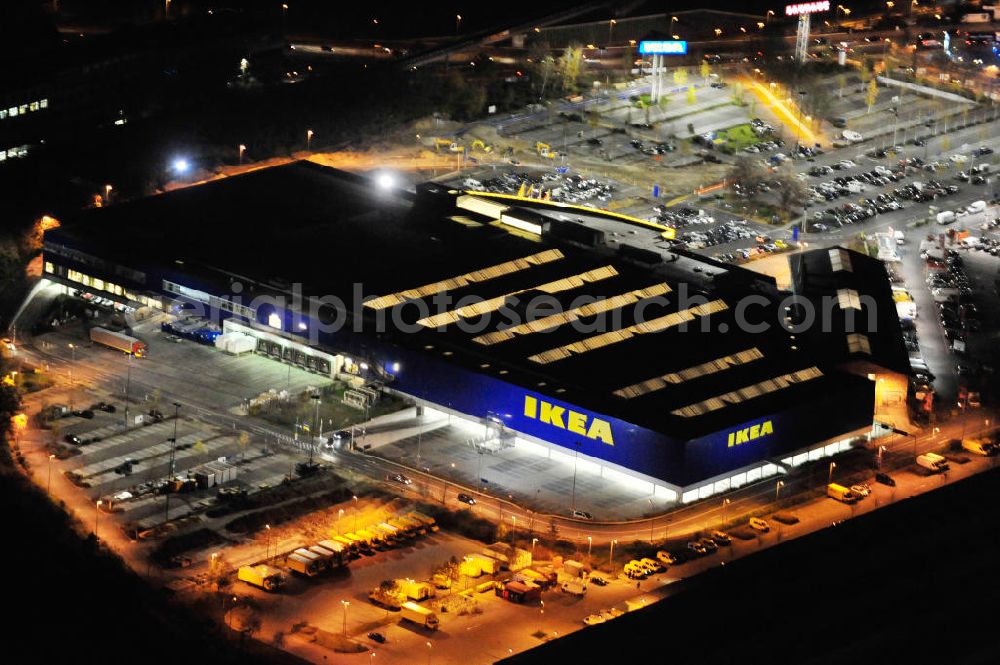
pixel 98 284
pixel 14 153
pixel 766 470
pixel 23 109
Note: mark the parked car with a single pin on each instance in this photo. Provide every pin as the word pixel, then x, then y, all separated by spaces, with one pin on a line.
pixel 861 489
pixel 757 524
pixel 399 478
pixel 885 479
pixel 582 514
pixel 720 538
pixel 465 498
pixel 598 580
pixel 377 637
pixel 696 547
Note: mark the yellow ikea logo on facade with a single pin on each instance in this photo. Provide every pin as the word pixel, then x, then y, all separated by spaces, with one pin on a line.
pixel 748 434
pixel 563 418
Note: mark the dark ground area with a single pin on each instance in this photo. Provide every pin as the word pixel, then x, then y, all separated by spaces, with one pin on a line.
pixel 68 602
pixel 914 582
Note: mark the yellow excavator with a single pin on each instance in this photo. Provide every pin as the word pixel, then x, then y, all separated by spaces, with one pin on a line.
pixel 449 144
pixel 545 150
pixel 478 144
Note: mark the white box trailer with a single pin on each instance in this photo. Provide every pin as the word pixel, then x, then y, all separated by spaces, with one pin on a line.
pixel 481 206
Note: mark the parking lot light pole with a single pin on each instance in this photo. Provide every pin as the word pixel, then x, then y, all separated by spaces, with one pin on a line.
pixel 777 489
pixel 428 653
pixel 533 541
pixel 170 465
pixel 267 541
pixel 355 498
pixel 340 513
pixel 128 384
pixel 590 544
pixel 48 483
pixel 72 385
pixel 346 604
pixel 312 443
pixel 829 477
pixel 611 555
pixel 97 517
pixel 725 507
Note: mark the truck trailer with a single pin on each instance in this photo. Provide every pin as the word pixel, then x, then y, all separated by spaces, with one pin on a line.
pixel 118 341
pixel 933 462
pixel 262 577
pixel 419 615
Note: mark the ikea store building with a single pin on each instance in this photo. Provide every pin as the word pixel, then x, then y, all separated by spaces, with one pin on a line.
pixel 563 328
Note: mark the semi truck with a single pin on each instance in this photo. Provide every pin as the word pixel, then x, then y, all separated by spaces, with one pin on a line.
pixel 339 552
pixel 841 493
pixel 983 447
pixel 933 462
pixel 262 577
pixel 404 529
pixel 304 562
pixel 419 615
pixel 426 520
pixel 118 341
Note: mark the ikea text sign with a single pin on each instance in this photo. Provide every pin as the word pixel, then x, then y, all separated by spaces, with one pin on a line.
pixel 668 47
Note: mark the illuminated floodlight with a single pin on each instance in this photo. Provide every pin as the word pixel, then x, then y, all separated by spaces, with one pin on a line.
pixel 181 165
pixel 385 181
pixel 807 8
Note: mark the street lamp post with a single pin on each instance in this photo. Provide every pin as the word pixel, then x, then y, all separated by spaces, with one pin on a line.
pixel 72 385
pixel 309 138
pixel 513 529
pixel 107 194
pixel 346 604
pixel 611 555
pixel 428 653
pixel 458 23
pixel 829 478
pixel 725 508
pixel 673 19
pixel 242 149
pixel 48 483
pixel 533 541
pixel 312 437
pixel 881 451
pixel 355 498
pixel 777 489
pixel 590 544
pixel 170 465
pixel 97 517
pixel 267 542
pixel 611 28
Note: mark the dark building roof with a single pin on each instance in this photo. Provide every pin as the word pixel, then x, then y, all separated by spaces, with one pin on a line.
pixel 859 287
pixel 659 345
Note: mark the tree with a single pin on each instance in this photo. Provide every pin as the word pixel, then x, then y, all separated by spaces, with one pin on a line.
pixel 546 69
pixel 872 95
pixel 792 192
pixel 738 94
pixel 569 67
pixel 691 99
pixel 706 69
pixel 747 175
pixel 680 75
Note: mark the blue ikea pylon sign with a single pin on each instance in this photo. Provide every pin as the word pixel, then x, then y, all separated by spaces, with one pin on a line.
pixel 663 47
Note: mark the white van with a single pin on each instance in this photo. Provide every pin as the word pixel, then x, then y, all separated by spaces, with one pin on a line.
pixel 945 217
pixel 976 206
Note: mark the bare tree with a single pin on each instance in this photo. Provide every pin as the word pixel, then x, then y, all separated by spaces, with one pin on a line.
pixel 747 175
